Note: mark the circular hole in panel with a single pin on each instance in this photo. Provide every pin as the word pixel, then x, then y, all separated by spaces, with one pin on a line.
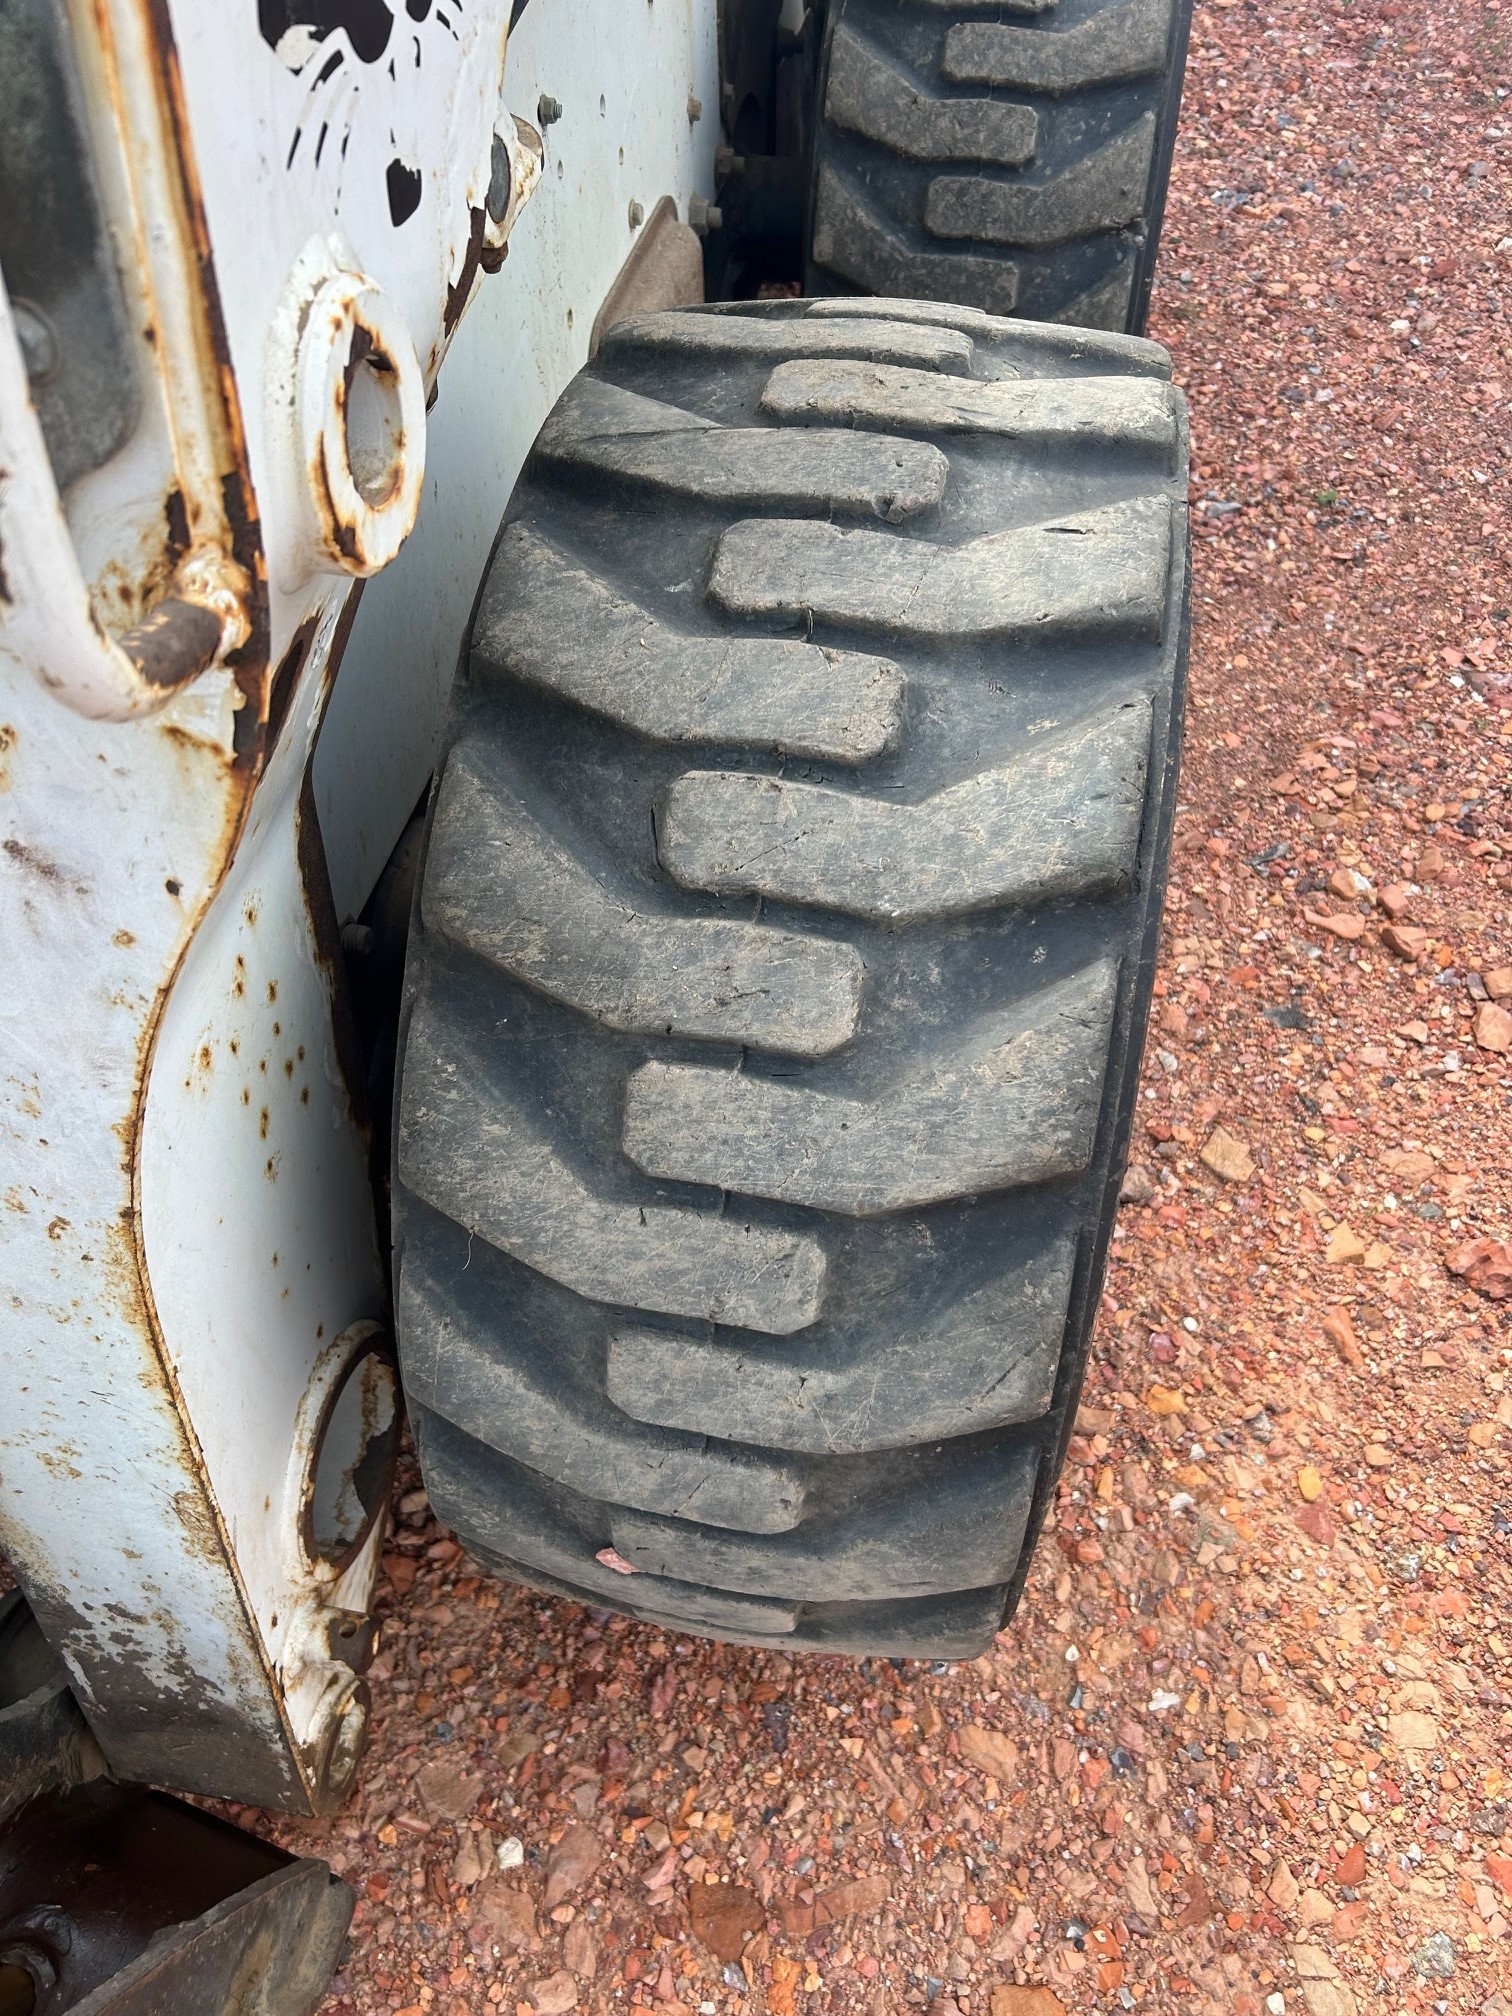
pixel 374 423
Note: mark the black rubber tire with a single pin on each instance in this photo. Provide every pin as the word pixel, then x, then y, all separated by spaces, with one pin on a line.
pixel 1012 154
pixel 780 968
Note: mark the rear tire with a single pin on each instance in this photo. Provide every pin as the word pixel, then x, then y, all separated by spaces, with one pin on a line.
pixel 781 963
pixel 1012 156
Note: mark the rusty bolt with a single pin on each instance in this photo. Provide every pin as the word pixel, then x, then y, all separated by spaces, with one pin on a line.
pixel 704 216
pixel 637 214
pixel 695 109
pixel 548 109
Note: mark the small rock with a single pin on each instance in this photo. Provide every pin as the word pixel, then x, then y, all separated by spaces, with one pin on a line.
pixel 1394 899
pixel 448 1791
pixel 1413 1730
pixel 1310 1483
pixel 1434 1959
pixel 990 1751
pixel 1493 1029
pixel 1407 941
pixel 1138 1186
pixel 1409 1165
pixel 1430 865
pixel 579 1950
pixel 1228 1157
pixel 1010 2001
pixel 1314 1908
pixel 1499 983
pixel 571 1864
pixel 1486 1266
pixel 555 1995
pixel 1346 924
pixel 1283 1889
pixel 1373 1057
pixel 1351 1870
pixel 1377 1455
pixel 510 1853
pixel 1345 1248
pixel 1347 884
pixel 470 1867
pixel 506 1916
pixel 1174 1020
pixel 724 1915
pixel 1326 1993
pixel 1415 1032
pixel 608 1557
pixel 1340 1332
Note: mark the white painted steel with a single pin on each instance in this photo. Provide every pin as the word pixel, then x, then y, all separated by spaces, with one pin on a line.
pixel 622 71
pixel 185 1215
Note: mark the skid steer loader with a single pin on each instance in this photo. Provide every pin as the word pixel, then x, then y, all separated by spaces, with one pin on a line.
pixel 652 994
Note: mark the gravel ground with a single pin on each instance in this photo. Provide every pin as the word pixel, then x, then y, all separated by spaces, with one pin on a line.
pixel 1248 1744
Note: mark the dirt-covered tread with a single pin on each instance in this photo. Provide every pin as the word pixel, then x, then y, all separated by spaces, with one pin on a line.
pixel 924 1535
pixel 1054 125
pixel 504 887
pixel 1014 1102
pixel 548 1412
pixel 854 241
pixel 1080 573
pixel 1122 42
pixel 475 1152
pixel 732 336
pixel 985 1361
pixel 1138 415
pixel 596 426
pixel 870 96
pixel 552 1538
pixel 562 628
pixel 774 1000
pixel 1102 193
pixel 1059 819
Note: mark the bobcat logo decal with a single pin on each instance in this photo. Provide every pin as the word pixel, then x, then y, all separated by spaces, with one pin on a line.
pixel 342 50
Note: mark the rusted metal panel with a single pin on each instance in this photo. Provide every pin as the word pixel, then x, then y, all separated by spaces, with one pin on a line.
pixel 188 1248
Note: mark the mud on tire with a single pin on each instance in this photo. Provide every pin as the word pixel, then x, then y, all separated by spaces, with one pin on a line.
pixel 1008 153
pixel 781 963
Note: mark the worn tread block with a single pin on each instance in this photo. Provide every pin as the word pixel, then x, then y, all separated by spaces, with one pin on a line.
pixel 1015 1102
pixel 956 1530
pixel 499 884
pixel 852 241
pixel 1061 818
pixel 551 1417
pixel 1103 192
pixel 1087 573
pixel 709 336
pixel 1120 43
pixel 556 626
pixel 987 1361
pixel 603 428
pixel 1007 348
pixel 871 96
pixel 474 1153
pixel 1138 415
pixel 502 1507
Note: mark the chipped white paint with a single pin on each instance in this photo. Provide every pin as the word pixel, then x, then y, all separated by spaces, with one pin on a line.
pixel 184 1202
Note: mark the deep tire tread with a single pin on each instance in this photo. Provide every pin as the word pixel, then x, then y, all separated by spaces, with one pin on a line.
pixel 758 1114
pixel 1018 164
